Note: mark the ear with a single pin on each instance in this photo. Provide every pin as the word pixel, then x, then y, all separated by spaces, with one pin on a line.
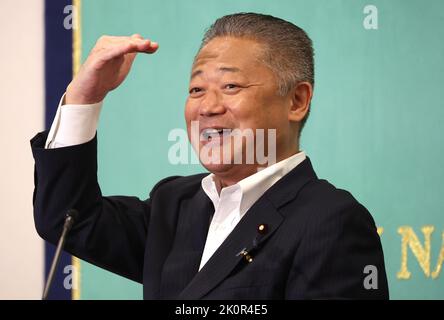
pixel 300 101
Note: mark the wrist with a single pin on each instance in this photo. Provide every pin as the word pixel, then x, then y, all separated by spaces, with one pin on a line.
pixel 72 97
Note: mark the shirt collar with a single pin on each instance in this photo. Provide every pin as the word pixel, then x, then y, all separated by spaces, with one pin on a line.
pixel 247 191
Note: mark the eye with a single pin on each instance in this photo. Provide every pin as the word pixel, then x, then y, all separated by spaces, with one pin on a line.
pixel 195 91
pixel 231 86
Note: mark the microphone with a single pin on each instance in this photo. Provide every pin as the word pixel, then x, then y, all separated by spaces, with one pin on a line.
pixel 70 218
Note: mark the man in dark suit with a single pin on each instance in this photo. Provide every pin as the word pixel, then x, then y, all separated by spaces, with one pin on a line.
pixel 248 230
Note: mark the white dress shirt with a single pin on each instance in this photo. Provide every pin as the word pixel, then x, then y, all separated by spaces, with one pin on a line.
pixel 77 124
pixel 73 124
pixel 234 201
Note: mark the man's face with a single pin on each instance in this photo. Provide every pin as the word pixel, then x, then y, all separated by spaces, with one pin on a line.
pixel 231 89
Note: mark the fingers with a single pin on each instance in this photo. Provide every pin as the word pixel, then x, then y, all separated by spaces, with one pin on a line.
pixel 108 47
pixel 144 45
pixel 139 43
pixel 137 36
pixel 153 47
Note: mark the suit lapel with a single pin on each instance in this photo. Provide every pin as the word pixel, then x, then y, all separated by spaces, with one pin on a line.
pixel 245 235
pixel 183 260
pixel 227 256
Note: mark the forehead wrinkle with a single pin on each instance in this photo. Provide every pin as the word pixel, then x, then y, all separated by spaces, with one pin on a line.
pixel 202 57
pixel 215 50
pixel 220 70
pixel 228 69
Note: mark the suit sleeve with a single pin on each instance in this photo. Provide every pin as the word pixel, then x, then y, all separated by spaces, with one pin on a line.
pixel 331 259
pixel 110 232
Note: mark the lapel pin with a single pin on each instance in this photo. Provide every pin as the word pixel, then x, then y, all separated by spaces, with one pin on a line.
pixel 246 255
pixel 262 228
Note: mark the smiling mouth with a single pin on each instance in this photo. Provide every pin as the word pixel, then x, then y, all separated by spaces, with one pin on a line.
pixel 215 133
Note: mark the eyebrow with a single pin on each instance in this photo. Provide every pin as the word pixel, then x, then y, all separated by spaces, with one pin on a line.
pixel 221 69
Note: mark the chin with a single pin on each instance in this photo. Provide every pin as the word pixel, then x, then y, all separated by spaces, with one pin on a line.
pixel 213 158
pixel 218 169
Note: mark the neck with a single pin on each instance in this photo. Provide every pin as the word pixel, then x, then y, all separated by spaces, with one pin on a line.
pixel 239 172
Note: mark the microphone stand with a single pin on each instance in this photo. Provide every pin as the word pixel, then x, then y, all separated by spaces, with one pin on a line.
pixel 71 215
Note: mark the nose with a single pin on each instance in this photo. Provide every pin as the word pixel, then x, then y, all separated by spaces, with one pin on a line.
pixel 211 105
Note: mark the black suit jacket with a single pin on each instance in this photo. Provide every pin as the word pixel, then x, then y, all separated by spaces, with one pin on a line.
pixel 317 243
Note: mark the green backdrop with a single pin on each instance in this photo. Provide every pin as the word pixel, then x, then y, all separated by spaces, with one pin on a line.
pixel 375 127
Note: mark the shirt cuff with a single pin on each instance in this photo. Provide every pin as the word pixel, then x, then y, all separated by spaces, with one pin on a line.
pixel 73 124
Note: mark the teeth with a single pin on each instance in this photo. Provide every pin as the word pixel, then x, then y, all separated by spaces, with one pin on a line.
pixel 209 133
